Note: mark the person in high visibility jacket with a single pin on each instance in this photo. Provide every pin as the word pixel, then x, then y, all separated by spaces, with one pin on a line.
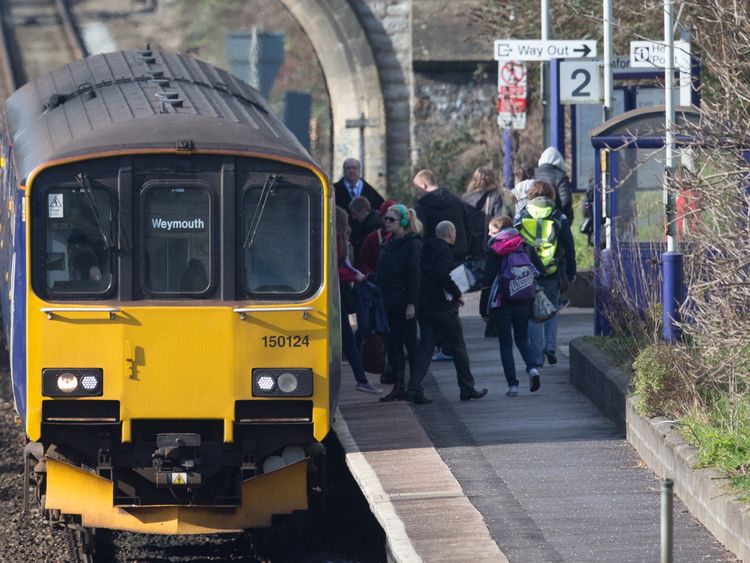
pixel 546 229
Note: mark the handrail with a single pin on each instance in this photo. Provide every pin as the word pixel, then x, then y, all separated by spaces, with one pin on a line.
pixel 51 310
pixel 244 310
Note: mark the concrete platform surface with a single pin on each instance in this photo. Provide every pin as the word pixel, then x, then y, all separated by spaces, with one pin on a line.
pixel 538 477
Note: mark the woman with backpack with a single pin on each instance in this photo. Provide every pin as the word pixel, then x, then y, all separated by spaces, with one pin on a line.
pixel 547 230
pixel 508 290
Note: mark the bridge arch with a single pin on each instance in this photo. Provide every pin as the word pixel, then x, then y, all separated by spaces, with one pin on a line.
pixel 351 74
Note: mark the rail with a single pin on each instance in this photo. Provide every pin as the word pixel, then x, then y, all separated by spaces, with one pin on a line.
pixel 12 71
pixel 243 311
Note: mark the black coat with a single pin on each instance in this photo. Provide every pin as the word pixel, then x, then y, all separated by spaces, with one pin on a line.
pixel 360 230
pixel 398 275
pixel 442 205
pixel 563 190
pixel 343 197
pixel 437 263
pixel 483 206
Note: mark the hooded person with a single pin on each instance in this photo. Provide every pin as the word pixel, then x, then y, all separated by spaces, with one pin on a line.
pixel 551 169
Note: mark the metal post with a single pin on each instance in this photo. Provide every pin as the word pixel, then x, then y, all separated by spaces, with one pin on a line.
pixel 672 291
pixel 666 521
pixel 556 109
pixel 360 124
pixel 508 158
pixel 544 75
pixel 669 124
pixel 607 33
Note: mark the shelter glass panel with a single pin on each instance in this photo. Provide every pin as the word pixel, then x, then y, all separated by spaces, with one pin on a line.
pixel 640 210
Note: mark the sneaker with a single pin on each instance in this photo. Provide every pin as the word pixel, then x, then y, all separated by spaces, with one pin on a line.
pixel 534 383
pixel 551 358
pixel 512 391
pixel 441 356
pixel 368 388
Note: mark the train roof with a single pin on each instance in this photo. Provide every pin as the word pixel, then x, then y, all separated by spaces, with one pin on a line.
pixel 147 99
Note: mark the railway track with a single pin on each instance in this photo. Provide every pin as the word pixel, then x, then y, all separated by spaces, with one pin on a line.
pixel 36 36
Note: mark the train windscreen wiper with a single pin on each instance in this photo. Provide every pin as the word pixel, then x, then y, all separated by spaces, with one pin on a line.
pixel 83 181
pixel 268 185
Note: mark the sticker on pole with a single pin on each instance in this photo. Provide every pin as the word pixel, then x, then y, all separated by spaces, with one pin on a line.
pixel 55 206
pixel 511 95
pixel 178 479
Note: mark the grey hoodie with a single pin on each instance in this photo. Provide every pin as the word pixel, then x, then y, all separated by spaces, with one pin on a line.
pixel 552 170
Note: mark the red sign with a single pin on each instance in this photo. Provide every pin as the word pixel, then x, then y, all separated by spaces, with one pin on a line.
pixel 511 95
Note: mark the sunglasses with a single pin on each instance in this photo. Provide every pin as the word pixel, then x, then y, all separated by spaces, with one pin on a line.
pixel 389 219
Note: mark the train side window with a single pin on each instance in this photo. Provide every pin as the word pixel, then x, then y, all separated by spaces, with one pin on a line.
pixel 276 239
pixel 177 240
pixel 78 242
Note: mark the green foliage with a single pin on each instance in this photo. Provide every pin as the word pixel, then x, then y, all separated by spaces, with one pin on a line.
pixel 622 351
pixel 659 388
pixel 721 445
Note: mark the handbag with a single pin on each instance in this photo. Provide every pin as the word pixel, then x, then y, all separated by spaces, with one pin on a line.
pixel 542 308
pixel 373 353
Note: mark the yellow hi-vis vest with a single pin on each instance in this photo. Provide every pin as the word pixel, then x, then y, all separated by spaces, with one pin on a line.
pixel 539 230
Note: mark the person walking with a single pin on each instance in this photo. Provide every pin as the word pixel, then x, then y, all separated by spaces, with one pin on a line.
pixel 352 185
pixel 509 307
pixel 551 169
pixel 365 220
pixel 546 229
pixel 439 300
pixel 436 204
pixel 348 275
pixel 398 278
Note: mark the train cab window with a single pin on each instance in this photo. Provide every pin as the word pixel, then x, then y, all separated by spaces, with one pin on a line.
pixel 277 238
pixel 177 240
pixel 79 223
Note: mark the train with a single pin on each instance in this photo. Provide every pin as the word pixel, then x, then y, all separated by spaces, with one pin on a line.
pixel 169 298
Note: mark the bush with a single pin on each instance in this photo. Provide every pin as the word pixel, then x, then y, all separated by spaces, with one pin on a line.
pixel 660 388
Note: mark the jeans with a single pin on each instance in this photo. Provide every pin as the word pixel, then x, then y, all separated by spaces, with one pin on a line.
pixel 445 325
pixel 543 336
pixel 512 321
pixel 402 332
pixel 350 349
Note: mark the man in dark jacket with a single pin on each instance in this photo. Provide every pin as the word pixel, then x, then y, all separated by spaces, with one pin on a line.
pixel 437 314
pixel 435 205
pixel 364 220
pixel 552 170
pixel 352 185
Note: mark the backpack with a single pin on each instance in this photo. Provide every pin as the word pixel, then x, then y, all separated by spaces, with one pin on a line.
pixel 542 234
pixel 515 280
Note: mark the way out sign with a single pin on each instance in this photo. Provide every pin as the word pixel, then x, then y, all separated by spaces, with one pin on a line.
pixel 511 95
pixel 581 82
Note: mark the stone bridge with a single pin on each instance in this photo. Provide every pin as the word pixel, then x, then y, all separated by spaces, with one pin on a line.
pixel 403 65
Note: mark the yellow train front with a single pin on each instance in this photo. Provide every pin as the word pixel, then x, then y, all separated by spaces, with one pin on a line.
pixel 168 304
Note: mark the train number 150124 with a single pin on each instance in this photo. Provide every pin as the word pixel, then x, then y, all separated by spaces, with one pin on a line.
pixel 291 341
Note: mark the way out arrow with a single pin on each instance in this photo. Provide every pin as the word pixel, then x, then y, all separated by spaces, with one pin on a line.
pixel 585 50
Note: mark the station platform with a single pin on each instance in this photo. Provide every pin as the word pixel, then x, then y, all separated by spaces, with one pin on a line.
pixel 539 477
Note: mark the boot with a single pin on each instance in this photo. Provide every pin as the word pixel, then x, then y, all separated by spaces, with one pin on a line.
pixel 398 393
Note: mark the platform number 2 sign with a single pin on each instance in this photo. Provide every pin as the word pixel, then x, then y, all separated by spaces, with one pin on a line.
pixel 581 82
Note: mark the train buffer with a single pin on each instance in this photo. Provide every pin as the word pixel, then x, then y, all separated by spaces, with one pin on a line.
pixel 538 477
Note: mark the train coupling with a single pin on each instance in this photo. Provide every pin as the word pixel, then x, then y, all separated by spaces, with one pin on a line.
pixel 176 460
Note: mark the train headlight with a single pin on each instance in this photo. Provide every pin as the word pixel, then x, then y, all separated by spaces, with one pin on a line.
pixel 67 382
pixel 74 382
pixel 266 383
pixel 273 382
pixel 287 382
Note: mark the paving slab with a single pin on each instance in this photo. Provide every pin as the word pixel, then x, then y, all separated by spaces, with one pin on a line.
pixel 548 476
